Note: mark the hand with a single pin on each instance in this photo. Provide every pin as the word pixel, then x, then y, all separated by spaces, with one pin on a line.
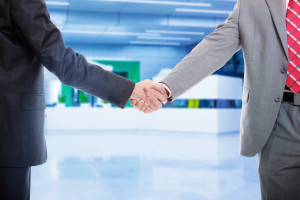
pixel 154 94
pixel 158 87
pixel 146 99
pixel 155 97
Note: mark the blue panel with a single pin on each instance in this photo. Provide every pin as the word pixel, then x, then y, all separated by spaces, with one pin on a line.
pixel 148 9
pixel 148 20
pixel 85 17
pixel 192 22
pixel 97 16
pixel 97 6
pixel 61 5
pixel 85 27
pixel 79 38
pixel 152 58
pixel 106 6
pixel 83 48
pixel 59 17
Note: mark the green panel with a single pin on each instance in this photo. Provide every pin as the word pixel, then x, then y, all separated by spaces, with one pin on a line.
pixel 66 95
pixel 127 69
pixel 193 103
pixel 131 67
pixel 84 97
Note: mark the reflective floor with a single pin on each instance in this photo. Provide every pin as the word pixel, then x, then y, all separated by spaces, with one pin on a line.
pixel 129 165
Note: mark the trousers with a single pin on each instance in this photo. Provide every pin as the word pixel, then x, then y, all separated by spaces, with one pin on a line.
pixel 279 160
pixel 15 183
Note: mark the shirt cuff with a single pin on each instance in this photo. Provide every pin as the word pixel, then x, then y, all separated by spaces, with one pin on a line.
pixel 168 89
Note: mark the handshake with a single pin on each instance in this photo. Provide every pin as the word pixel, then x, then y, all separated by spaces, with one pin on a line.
pixel 148 96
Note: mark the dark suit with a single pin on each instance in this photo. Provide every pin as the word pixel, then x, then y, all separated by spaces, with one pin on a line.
pixel 29 41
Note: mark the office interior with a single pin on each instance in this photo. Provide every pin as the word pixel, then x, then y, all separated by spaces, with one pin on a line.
pixel 189 150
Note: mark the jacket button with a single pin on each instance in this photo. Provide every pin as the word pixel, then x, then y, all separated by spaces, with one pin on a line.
pixel 283 70
pixel 277 99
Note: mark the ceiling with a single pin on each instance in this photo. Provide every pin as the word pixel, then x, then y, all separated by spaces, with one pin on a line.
pixel 138 22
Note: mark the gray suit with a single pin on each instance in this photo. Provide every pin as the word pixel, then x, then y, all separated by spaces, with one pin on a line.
pixel 259 28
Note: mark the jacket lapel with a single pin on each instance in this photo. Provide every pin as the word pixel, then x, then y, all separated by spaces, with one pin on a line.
pixel 278 12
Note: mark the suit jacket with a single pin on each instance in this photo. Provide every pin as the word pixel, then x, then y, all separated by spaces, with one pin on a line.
pixel 259 28
pixel 28 40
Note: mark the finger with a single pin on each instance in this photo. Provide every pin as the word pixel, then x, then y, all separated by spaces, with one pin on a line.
pixel 158 104
pixel 144 107
pixel 149 110
pixel 153 107
pixel 156 99
pixel 162 98
pixel 148 86
pixel 133 102
pixel 155 103
pixel 139 105
pixel 161 88
pixel 146 111
pixel 147 90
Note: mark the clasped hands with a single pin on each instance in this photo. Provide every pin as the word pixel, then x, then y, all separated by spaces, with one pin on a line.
pixel 148 96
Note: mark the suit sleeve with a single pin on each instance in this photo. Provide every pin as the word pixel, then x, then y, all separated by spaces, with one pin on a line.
pixel 34 28
pixel 207 57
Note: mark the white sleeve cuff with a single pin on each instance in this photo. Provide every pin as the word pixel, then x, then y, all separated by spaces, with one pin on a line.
pixel 168 89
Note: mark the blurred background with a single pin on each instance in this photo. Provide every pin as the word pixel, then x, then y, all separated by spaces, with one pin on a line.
pixel 189 150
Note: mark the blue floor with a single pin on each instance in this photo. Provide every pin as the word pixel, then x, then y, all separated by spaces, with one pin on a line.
pixel 131 165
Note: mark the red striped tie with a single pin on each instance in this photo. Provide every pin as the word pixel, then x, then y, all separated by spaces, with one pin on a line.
pixel 293 35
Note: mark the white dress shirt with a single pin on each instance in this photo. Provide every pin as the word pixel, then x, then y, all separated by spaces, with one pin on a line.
pixel 286 3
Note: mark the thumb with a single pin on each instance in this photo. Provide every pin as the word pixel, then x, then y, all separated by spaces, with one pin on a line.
pixel 160 88
pixel 147 91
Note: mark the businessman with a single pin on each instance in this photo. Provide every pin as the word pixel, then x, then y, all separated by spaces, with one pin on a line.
pixel 28 41
pixel 268 31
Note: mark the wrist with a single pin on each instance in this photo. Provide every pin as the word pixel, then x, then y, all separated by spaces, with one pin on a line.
pixel 133 94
